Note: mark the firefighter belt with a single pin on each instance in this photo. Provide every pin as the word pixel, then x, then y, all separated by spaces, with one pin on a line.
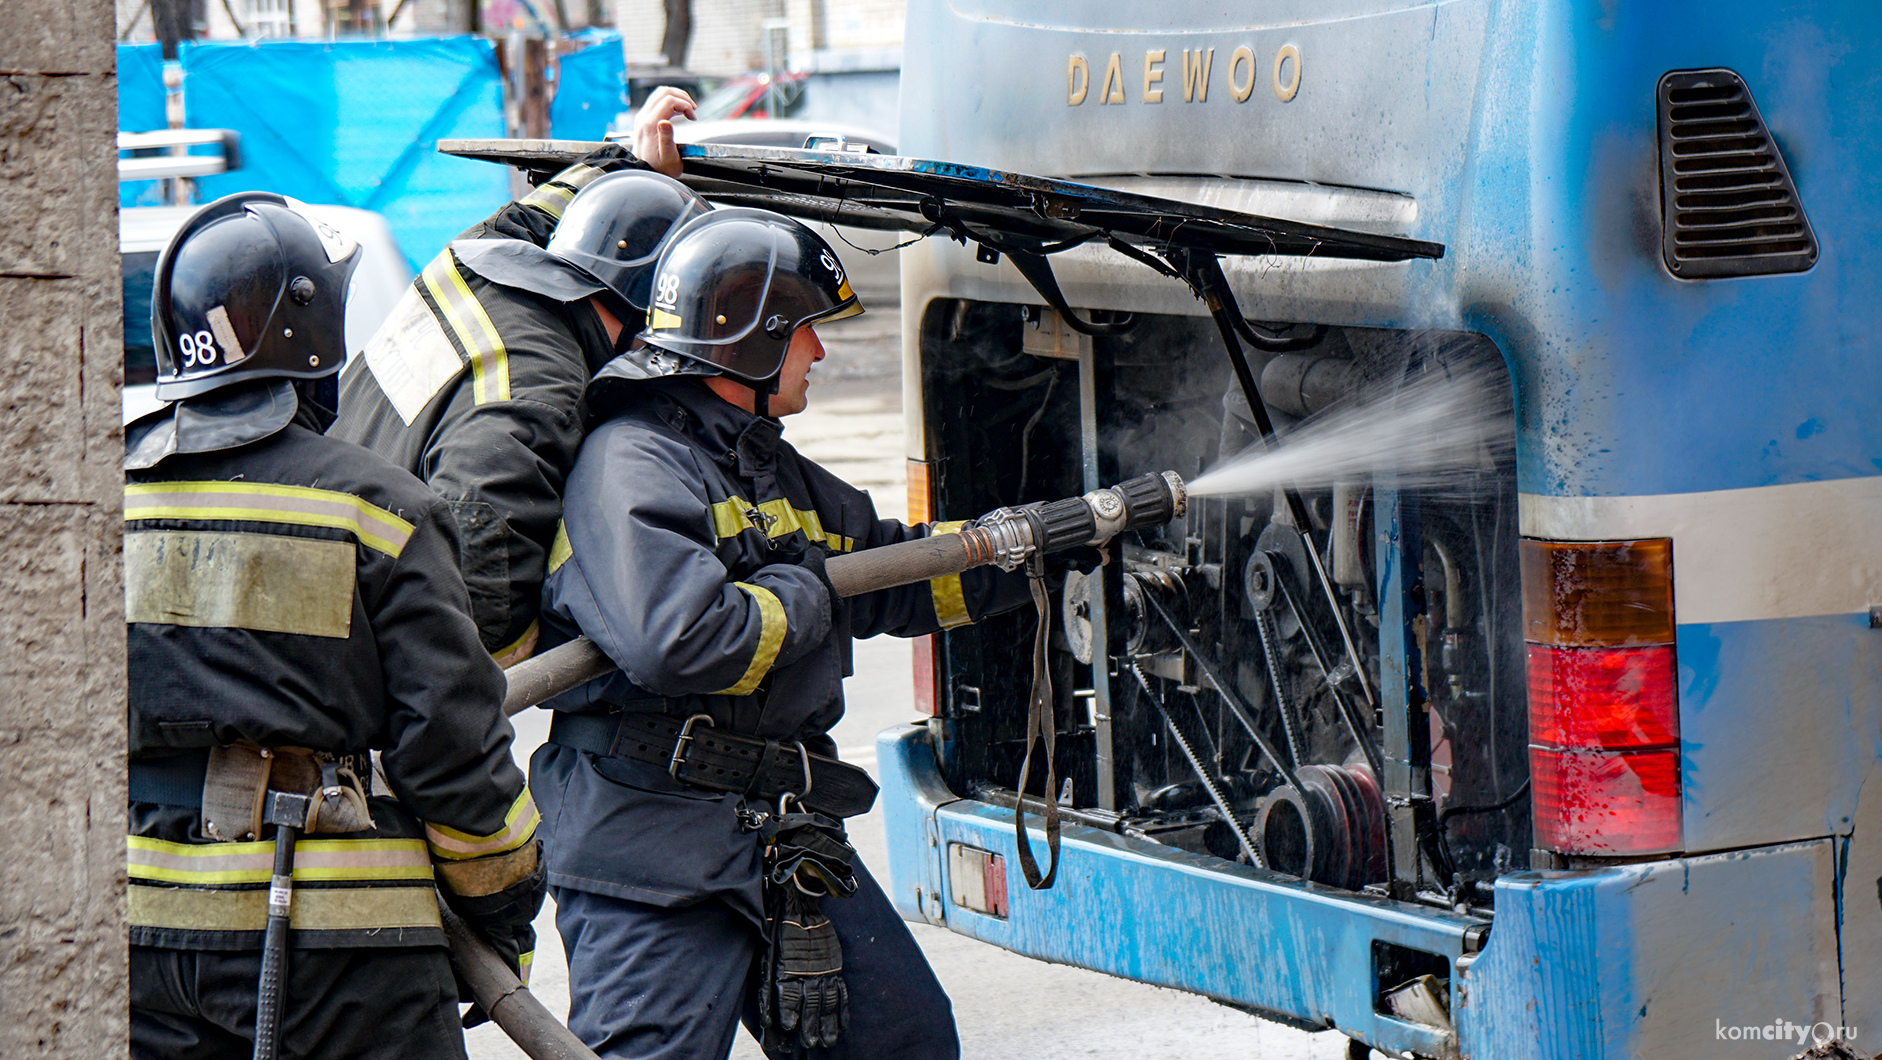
pixel 361 891
pixel 697 754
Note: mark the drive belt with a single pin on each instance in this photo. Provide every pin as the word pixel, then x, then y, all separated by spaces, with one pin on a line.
pixel 697 754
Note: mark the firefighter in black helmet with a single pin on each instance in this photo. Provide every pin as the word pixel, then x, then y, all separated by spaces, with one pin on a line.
pixel 694 798
pixel 474 383
pixel 293 606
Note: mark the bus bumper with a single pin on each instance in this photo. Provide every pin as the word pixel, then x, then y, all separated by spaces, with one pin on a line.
pixel 1636 960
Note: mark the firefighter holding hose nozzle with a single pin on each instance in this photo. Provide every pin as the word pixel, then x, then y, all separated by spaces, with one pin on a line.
pixel 693 802
pixel 293 605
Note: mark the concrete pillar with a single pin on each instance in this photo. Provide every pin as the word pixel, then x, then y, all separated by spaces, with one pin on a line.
pixel 62 951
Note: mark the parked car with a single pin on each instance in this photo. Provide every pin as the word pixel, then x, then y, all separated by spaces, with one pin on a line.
pixel 748 97
pixel 174 158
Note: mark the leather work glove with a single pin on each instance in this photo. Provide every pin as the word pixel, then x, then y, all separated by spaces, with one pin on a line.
pixel 807 855
pixel 1082 558
pixel 810 849
pixel 812 1002
pixel 813 559
pixel 517 947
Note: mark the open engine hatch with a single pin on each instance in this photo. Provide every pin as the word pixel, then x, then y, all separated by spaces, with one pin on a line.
pixel 999 210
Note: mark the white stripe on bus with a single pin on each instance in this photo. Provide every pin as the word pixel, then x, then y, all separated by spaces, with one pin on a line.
pixel 1768 552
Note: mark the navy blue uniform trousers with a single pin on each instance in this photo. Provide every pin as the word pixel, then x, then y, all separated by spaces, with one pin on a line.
pixel 653 983
pixel 342 1004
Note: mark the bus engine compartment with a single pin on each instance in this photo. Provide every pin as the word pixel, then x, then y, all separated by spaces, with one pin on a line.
pixel 1226 715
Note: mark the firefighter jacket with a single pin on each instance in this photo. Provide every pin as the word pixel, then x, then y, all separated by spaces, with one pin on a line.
pixel 476 388
pixel 289 590
pixel 686 519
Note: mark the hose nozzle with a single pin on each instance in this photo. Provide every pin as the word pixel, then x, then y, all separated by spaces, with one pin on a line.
pixel 1009 537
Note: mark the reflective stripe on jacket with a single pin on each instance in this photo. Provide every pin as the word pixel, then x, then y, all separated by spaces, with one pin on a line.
pixel 685 522
pixel 476 388
pixel 298 591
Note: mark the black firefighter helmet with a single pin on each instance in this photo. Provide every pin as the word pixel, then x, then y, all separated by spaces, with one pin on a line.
pixel 735 284
pixel 615 228
pixel 253 286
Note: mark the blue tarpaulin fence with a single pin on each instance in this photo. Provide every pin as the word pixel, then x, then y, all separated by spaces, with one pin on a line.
pixel 356 123
pixel 590 89
pixel 140 109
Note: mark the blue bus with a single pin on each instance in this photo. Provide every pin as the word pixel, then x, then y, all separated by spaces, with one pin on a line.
pixel 1572 754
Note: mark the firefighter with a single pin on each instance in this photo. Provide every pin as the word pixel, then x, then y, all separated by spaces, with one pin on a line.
pixel 693 555
pixel 474 383
pixel 293 605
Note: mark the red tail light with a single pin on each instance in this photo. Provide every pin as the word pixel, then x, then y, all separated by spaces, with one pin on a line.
pixel 1603 696
pixel 1606 802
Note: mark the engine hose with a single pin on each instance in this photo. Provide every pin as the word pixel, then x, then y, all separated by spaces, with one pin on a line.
pixel 1503 804
pixel 1009 537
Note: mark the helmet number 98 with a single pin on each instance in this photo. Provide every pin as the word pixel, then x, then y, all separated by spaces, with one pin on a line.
pixel 199 350
pixel 668 289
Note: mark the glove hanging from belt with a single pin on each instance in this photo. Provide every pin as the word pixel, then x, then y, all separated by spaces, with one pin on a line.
pixel 805 1002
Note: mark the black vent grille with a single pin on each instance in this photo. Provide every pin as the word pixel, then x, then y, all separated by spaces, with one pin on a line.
pixel 1729 207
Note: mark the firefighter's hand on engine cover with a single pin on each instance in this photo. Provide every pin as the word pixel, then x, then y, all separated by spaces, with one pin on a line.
pixel 653 129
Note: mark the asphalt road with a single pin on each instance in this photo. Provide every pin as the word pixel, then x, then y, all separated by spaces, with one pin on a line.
pixel 1005 1005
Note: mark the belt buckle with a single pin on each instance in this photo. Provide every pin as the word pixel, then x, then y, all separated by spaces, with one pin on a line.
pixel 686 738
pixel 786 798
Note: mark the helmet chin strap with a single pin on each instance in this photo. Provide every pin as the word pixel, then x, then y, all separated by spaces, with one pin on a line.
pixel 761 396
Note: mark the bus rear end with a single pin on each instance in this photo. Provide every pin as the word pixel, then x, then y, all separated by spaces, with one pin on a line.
pixel 1556 748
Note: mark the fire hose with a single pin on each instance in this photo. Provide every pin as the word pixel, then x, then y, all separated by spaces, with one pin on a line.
pixel 1006 537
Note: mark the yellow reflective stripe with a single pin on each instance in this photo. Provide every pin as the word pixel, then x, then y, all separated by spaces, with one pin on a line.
pixel 553 198
pixel 489 361
pixel 772 625
pixel 518 826
pixel 729 518
pixel 521 648
pixel 213 864
pixel 560 550
pixel 732 516
pixel 524 962
pixel 222 579
pixel 950 604
pixel 788 519
pixel 322 909
pixel 262 502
